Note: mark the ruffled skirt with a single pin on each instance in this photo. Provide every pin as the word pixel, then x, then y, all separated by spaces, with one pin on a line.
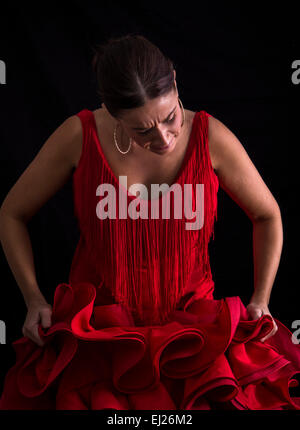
pixel 208 356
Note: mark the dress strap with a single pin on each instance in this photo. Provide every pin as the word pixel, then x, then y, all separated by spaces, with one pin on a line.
pixel 86 119
pixel 204 142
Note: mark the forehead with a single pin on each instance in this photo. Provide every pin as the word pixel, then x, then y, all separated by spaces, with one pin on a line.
pixel 152 112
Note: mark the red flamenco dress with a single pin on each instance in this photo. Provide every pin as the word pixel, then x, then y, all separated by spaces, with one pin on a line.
pixel 137 326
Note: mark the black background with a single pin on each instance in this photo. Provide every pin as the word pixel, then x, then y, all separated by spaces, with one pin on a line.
pixel 233 62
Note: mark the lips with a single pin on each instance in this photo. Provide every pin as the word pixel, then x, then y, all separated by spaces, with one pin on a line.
pixel 161 148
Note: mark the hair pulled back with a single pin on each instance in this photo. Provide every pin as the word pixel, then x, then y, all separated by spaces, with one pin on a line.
pixel 129 71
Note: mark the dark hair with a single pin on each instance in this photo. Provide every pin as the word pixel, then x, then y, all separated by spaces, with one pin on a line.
pixel 129 71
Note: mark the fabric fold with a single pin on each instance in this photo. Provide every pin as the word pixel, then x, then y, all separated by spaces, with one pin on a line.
pixel 95 357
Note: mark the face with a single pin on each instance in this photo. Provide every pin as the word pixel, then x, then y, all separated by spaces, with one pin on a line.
pixel 157 124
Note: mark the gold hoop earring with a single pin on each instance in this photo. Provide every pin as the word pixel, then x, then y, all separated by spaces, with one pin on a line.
pixel 116 143
pixel 182 110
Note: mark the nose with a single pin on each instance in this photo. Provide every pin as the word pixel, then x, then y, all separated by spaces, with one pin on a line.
pixel 163 138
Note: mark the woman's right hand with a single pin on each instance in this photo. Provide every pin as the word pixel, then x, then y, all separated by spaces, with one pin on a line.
pixel 39 311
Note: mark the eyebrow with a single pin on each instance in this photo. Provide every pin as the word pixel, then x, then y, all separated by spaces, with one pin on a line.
pixel 143 128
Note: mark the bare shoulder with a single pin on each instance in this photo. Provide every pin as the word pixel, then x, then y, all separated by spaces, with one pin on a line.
pixel 224 145
pixel 220 140
pixel 237 173
pixel 72 130
pixel 66 141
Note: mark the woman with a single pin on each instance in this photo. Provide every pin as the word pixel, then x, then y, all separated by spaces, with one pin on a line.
pixel 137 326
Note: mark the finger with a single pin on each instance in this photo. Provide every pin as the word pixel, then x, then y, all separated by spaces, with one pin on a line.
pixel 31 318
pixel 270 334
pixel 266 337
pixel 34 335
pixel 255 315
pixel 33 339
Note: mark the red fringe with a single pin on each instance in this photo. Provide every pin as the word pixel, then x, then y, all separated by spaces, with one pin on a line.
pixel 146 263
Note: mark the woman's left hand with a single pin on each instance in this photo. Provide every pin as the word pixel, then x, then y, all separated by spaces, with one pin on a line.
pixel 256 310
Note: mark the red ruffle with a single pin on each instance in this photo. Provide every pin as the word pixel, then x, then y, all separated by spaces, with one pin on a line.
pixel 207 356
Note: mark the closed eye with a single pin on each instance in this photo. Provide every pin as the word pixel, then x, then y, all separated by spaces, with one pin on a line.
pixel 168 121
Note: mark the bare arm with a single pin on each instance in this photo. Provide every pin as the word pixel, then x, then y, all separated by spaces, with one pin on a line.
pixel 45 175
pixel 242 182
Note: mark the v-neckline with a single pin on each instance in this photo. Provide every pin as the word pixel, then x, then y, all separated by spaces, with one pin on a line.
pixel 178 176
